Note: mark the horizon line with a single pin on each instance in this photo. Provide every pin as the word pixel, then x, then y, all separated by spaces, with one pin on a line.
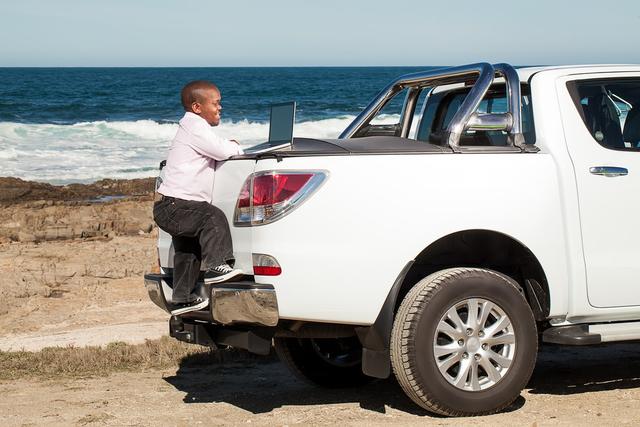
pixel 215 66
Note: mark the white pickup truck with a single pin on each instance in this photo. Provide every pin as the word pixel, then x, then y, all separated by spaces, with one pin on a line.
pixel 495 214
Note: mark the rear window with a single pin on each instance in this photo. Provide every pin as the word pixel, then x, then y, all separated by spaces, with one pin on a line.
pixel 441 107
pixel 610 110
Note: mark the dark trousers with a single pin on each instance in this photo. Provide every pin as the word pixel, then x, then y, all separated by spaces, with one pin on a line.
pixel 199 231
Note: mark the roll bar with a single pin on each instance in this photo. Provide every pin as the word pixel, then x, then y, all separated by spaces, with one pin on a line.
pixel 465 118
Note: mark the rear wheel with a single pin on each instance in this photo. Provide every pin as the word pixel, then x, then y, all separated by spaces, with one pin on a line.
pixel 327 362
pixel 464 342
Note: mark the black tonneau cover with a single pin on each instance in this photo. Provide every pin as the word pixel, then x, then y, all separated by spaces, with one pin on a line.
pixel 364 145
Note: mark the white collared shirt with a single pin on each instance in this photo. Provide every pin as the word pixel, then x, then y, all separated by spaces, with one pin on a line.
pixel 192 158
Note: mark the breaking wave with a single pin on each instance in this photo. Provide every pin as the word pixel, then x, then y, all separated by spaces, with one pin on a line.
pixel 88 151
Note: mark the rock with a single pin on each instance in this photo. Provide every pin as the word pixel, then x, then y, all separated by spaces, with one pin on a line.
pixel 26 237
pixel 33 222
pixel 58 232
pixel 16 190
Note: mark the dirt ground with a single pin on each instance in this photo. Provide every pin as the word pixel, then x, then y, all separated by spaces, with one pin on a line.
pixel 58 289
pixel 54 287
pixel 598 385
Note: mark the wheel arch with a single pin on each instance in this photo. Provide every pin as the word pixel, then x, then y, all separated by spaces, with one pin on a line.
pixel 477 248
pixel 483 248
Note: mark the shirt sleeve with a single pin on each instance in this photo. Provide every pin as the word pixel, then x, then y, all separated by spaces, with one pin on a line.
pixel 206 142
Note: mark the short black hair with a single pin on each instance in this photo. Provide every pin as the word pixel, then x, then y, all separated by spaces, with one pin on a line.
pixel 192 92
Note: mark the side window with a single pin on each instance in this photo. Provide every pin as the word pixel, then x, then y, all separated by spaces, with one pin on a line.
pixel 441 107
pixel 386 122
pixel 610 110
pixel 390 113
pixel 425 131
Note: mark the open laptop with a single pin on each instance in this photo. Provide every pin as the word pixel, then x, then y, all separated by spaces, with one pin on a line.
pixel 281 122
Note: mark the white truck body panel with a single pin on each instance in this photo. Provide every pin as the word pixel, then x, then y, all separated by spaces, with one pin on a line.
pixel 352 251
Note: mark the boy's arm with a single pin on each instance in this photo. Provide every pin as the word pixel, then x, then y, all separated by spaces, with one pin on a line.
pixel 209 144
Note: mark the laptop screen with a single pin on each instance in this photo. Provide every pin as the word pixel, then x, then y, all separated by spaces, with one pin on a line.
pixel 281 122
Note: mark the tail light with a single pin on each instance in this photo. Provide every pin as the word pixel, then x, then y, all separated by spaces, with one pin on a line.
pixel 265 265
pixel 268 196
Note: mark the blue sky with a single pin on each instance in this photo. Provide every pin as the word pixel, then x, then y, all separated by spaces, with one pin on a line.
pixel 328 32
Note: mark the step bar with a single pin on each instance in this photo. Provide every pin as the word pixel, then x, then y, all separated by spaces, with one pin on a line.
pixel 234 302
pixel 592 334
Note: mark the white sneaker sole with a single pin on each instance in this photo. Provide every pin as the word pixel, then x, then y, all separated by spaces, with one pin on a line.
pixel 191 308
pixel 224 277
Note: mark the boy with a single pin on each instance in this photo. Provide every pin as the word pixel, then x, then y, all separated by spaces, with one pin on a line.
pixel 198 229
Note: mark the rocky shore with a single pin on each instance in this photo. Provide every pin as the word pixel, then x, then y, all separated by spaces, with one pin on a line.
pixel 72 257
pixel 16 190
pixel 37 212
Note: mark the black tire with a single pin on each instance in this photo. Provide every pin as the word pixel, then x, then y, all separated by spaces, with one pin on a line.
pixel 326 362
pixel 415 335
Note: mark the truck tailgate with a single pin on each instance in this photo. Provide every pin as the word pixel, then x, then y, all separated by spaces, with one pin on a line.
pixel 229 177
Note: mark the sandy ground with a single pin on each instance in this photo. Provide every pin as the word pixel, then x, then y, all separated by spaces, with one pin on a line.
pixel 131 333
pixel 77 292
pixel 570 387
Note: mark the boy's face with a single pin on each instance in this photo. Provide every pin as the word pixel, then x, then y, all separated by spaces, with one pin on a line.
pixel 209 106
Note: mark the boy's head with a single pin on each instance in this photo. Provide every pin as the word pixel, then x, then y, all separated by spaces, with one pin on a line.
pixel 202 98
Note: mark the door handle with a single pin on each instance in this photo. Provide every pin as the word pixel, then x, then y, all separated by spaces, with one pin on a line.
pixel 610 171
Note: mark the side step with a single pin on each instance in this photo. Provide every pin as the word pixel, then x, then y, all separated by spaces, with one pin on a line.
pixel 592 334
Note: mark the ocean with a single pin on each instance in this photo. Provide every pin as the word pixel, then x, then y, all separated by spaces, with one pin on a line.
pixel 66 125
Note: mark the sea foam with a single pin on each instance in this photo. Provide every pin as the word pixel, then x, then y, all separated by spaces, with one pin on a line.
pixel 88 151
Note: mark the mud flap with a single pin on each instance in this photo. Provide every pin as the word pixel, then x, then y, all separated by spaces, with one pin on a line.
pixel 376 339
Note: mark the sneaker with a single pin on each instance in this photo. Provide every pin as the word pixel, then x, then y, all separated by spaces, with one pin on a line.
pixel 221 273
pixel 187 307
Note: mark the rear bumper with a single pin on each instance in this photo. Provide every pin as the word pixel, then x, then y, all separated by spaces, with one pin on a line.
pixel 231 303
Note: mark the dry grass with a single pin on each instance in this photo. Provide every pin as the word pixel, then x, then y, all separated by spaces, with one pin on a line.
pixel 55 362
